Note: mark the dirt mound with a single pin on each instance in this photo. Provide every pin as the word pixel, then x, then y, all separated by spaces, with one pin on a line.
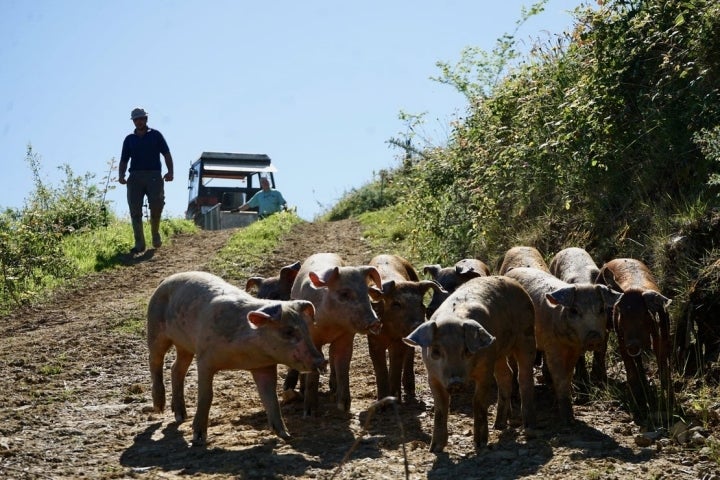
pixel 76 400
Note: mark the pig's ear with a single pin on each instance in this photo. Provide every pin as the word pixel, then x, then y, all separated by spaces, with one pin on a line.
pixel 476 337
pixel 322 279
pixel 375 293
pixel 422 336
pixel 609 296
pixel 563 296
pixel 253 282
pixel 655 302
pixel 467 271
pixel 433 270
pixel 426 285
pixel 607 277
pixel 289 272
pixel 263 315
pixel 388 287
pixel 306 307
pixel 374 274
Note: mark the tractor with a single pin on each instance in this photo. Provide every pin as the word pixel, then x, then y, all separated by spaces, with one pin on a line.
pixel 221 182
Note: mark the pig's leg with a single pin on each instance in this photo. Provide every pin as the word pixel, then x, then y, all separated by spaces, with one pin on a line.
pixel 408 377
pixel 481 400
pixel 598 375
pixel 266 381
pixel 341 354
pixel 180 367
pixel 441 399
pixel 291 379
pixel 636 381
pixel 504 379
pixel 661 345
pixel 378 356
pixel 310 402
pixel 396 354
pixel 525 358
pixel 205 396
pixel 158 348
pixel 561 373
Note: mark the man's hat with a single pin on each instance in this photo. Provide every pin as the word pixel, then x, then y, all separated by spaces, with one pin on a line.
pixel 138 113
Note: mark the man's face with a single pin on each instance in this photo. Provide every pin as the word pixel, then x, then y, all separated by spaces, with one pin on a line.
pixel 140 123
pixel 264 184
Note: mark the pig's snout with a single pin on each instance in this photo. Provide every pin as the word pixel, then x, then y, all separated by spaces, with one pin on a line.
pixel 633 348
pixel 455 385
pixel 594 341
pixel 375 327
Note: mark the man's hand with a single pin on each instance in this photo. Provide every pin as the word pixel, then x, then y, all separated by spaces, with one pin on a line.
pixel 122 180
pixel 168 177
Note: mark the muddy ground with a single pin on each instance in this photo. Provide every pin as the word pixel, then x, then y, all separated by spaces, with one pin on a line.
pixel 75 401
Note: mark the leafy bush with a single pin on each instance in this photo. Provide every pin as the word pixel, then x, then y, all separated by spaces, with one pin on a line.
pixel 374 195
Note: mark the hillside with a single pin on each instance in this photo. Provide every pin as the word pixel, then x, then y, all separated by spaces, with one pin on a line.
pixel 77 400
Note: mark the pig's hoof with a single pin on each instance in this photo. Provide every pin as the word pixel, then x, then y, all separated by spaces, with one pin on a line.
pixel 289 396
pixel 198 441
pixel 284 435
pixel 179 417
pixel 436 448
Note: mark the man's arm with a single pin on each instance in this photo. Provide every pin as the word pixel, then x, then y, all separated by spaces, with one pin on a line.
pixel 122 167
pixel 169 164
pixel 124 159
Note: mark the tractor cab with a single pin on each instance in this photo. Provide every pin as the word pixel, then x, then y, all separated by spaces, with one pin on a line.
pixel 219 183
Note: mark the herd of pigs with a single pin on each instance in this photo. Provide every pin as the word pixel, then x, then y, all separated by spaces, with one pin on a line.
pixel 479 328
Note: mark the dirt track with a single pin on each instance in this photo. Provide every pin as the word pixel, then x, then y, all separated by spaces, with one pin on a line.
pixel 75 401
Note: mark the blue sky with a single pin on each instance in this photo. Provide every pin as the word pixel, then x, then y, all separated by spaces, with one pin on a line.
pixel 316 85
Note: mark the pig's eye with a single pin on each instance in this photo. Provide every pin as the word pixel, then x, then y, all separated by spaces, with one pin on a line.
pixel 572 311
pixel 467 353
pixel 435 352
pixel 396 304
pixel 288 333
pixel 345 295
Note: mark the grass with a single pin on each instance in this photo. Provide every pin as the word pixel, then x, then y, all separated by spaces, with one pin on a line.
pixel 389 231
pixel 131 326
pixel 102 248
pixel 250 246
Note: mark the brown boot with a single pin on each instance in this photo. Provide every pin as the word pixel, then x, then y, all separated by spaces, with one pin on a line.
pixel 155 229
pixel 137 226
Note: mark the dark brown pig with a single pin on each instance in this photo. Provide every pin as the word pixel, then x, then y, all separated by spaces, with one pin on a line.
pixel 569 320
pixel 528 257
pixel 575 265
pixel 401 310
pixel 470 337
pixel 274 288
pixel 341 296
pixel 225 328
pixel 701 315
pixel 450 278
pixel 641 322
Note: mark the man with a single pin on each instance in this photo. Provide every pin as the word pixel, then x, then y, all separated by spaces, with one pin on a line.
pixel 142 149
pixel 267 200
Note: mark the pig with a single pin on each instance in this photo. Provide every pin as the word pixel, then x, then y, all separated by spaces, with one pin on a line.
pixel 701 314
pixel 522 256
pixel 641 322
pixel 575 265
pixel 569 320
pixel 469 338
pixel 401 310
pixel 274 288
pixel 225 328
pixel 342 299
pixel 450 278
